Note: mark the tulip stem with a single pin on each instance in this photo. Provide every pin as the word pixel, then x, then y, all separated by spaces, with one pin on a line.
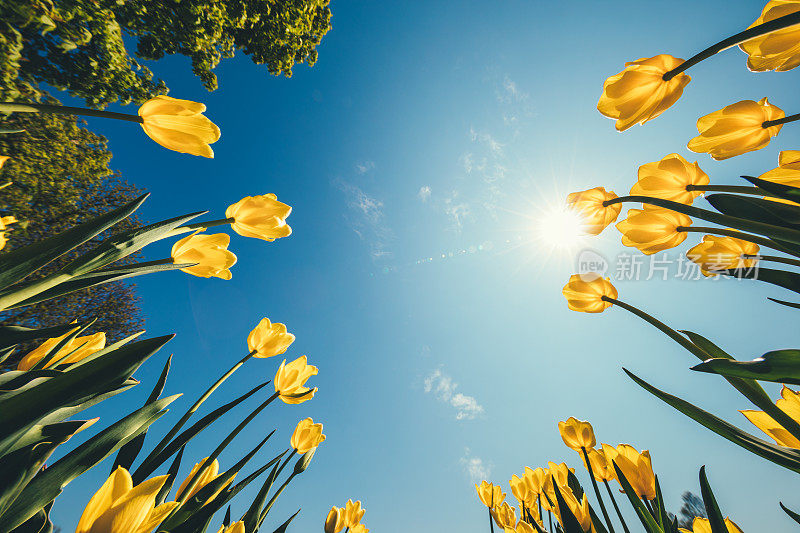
pixel 11 107
pixel 198 225
pixel 649 507
pixel 597 490
pixel 779 23
pixel 491 522
pixel 616 507
pixel 785 120
pixel 731 233
pixel 739 189
pixel 778 232
pixel 774 259
pixel 174 431
pixel 550 519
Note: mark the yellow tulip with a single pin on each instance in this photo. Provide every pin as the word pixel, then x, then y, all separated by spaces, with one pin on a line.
pixel 489 494
pixel 290 380
pixel 580 509
pixel 585 293
pixel 637 467
pixel 75 350
pixel 119 507
pixel 777 50
pixel 577 434
pixel 3 240
pixel 353 513
pixel 334 522
pixel 736 129
pixel 602 468
pixel 209 474
pixel 360 528
pixel 522 527
pixel 260 217
pixel 653 229
pixel 786 173
pixel 521 491
pixel 558 473
pixel 4 223
pixel 209 252
pixel 721 252
pixel 589 206
pixel 307 436
pixel 669 179
pixel 7 221
pixel 789 403
pixel 534 479
pixel 702 525
pixel 640 93
pixel 3 159
pixel 269 339
pixel 179 125
pixel 504 515
pixel 237 527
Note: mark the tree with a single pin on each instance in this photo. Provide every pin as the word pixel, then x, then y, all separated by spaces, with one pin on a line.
pixel 691 507
pixel 61 177
pixel 77 45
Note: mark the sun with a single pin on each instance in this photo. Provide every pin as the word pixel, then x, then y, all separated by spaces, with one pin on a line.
pixel 560 228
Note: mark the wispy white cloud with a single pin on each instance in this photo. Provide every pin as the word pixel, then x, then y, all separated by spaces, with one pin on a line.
pixel 444 388
pixel 367 220
pixel 494 146
pixel 474 467
pixel 510 92
pixel 424 193
pixel 362 167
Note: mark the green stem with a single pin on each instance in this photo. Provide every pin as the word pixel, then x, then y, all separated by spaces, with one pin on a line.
pixel 616 507
pixel 649 507
pixel 774 259
pixel 199 225
pixel 739 189
pixel 750 389
pixel 778 232
pixel 784 120
pixel 729 233
pixel 174 431
pixel 11 107
pixel 491 522
pixel 278 492
pixel 597 491
pixel 756 31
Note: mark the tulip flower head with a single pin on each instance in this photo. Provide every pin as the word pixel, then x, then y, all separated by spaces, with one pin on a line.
pixel 208 251
pixel 702 525
pixel 558 474
pixel 119 507
pixel 670 179
pixel 521 491
pixel 590 206
pixel 789 403
pixel 786 173
pixel 653 229
pixel 719 252
pixel 778 50
pixel 179 125
pixel 360 528
pixel 534 479
pixel 640 93
pixel 504 515
pixel 260 217
pixel 334 522
pixel 307 436
pixel 208 474
pixel 353 513
pixel 236 527
pixel 269 339
pixel 737 129
pixel 577 434
pixel 3 159
pixel 602 469
pixel 4 223
pixel 524 527
pixel 75 350
pixel 580 509
pixel 586 293
pixel 637 468
pixel 490 495
pixel 290 381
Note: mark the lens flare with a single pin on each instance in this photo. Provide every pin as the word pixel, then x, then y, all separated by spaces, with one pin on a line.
pixel 561 228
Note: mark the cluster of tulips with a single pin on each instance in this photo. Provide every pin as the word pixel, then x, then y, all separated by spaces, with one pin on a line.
pixel 347 518
pixel 747 221
pixel 72 370
pixel 556 490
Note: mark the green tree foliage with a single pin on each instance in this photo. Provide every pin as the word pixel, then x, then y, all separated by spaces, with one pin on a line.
pixel 692 506
pixel 78 45
pixel 61 178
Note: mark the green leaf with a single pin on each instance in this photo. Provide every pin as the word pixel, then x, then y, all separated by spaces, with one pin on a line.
pixel 781 278
pixel 49 483
pixel 794 516
pixel 16 334
pixel 642 512
pixel 785 457
pixel 715 519
pixel 706 345
pixel 18 468
pixel 127 454
pixel 253 513
pixel 568 520
pixel 778 189
pixel 282 527
pixel 784 302
pixel 597 522
pixel 766 211
pixel 781 366
pixel 22 262
pixel 172 474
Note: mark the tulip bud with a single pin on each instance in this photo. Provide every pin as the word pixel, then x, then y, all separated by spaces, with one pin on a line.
pixel 307 436
pixel 179 125
pixel 669 179
pixel 208 251
pixel 260 217
pixel 334 522
pixel 585 292
pixel 269 339
pixel 302 463
pixel 653 229
pixel 577 434
pixel 595 216
pixel 718 252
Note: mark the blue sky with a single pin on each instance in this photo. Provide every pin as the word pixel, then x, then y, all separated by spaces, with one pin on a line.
pixel 418 155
